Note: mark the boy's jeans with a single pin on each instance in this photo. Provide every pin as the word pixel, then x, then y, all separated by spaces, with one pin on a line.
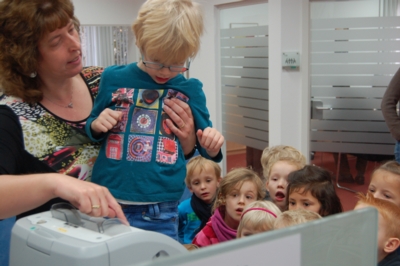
pixel 160 217
pixel 397 151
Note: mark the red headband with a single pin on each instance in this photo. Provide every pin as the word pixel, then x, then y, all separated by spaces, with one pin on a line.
pixel 258 209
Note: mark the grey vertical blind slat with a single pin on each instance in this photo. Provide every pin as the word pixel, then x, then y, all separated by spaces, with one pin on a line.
pixel 244 85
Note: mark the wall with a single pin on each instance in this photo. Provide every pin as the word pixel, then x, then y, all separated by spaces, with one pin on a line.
pixel 106 12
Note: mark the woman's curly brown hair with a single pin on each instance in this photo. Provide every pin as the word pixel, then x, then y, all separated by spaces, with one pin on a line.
pixel 22 24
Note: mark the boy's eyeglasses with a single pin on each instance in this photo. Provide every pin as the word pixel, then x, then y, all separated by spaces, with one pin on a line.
pixel 158 66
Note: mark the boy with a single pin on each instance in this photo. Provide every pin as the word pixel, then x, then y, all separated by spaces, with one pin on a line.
pixel 385 182
pixel 141 161
pixel 202 180
pixel 278 162
pixel 388 228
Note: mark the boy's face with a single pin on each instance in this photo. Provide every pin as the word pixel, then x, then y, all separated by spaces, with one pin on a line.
pixel 160 76
pixel 204 184
pixel 237 200
pixel 382 232
pixel 385 185
pixel 277 182
pixel 300 200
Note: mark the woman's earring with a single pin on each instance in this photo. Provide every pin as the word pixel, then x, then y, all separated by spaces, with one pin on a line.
pixel 33 74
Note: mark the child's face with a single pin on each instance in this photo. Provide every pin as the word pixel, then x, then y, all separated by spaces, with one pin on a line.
pixel 277 182
pixel 237 200
pixel 300 200
pixel 160 76
pixel 385 185
pixel 204 184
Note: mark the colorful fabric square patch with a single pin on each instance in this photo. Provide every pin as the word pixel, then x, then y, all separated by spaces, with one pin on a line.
pixel 139 148
pixel 143 121
pixel 121 125
pixel 167 151
pixel 114 146
pixel 123 97
pixel 176 94
pixel 149 98
pixel 164 129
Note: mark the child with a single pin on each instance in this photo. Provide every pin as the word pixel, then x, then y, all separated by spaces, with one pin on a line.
pixel 293 217
pixel 278 162
pixel 141 161
pixel 311 188
pixel 257 217
pixel 388 228
pixel 385 182
pixel 237 189
pixel 202 180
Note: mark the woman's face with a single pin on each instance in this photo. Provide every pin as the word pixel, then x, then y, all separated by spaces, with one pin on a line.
pixel 60 53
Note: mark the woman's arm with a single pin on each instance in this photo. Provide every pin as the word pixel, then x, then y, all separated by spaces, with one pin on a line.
pixel 20 193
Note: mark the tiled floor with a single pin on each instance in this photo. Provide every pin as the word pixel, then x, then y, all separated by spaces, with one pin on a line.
pixel 325 160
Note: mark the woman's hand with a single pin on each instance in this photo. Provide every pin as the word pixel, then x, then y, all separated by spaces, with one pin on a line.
pixel 181 123
pixel 88 197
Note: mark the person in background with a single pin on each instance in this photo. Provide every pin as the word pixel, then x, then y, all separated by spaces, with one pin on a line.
pixel 42 80
pixel 311 188
pixel 293 217
pixel 202 179
pixel 239 188
pixel 141 161
pixel 388 228
pixel 258 217
pixel 389 111
pixel 278 162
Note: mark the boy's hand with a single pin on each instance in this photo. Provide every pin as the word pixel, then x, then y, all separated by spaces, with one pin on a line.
pixel 211 140
pixel 105 121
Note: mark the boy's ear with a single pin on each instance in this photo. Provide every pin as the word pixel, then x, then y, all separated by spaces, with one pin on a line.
pixel 266 185
pixel 190 189
pixel 391 245
pixel 218 180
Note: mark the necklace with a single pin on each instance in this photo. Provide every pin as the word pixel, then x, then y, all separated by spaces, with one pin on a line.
pixel 70 105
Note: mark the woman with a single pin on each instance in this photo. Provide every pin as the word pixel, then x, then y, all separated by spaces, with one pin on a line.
pixel 46 87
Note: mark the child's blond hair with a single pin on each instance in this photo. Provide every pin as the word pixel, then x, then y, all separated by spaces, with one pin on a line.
pixel 259 215
pixel 274 154
pixel 169 30
pixel 293 217
pixel 200 163
pixel 387 209
pixel 390 166
pixel 236 177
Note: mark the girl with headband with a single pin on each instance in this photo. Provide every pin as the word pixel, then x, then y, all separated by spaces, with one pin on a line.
pixel 259 216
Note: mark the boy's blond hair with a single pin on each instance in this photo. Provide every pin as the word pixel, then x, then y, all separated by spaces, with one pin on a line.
pixel 200 163
pixel 169 30
pixel 273 154
pixel 259 215
pixel 387 209
pixel 293 217
pixel 236 177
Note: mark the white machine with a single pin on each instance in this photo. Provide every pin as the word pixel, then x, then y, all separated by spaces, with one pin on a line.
pixel 64 236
